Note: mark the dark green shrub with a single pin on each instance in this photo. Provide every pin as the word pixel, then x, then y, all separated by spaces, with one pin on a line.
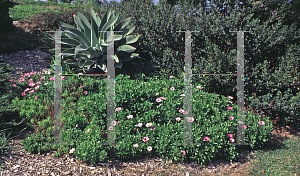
pixel 214 47
pixel 279 88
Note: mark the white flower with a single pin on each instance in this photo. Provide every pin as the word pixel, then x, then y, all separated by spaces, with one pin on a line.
pixel 190 119
pixel 136 145
pixel 110 128
pixel 149 148
pixel 148 125
pixel 140 125
pixel 72 150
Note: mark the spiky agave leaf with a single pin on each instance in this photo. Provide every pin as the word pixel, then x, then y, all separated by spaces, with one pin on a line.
pixel 86 45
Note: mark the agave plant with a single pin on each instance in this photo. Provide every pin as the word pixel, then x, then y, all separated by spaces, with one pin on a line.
pixel 86 45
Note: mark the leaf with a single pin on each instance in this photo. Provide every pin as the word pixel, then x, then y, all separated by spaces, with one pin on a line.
pixel 122 24
pixel 85 23
pixel 110 23
pixel 81 63
pixel 79 36
pixel 132 39
pixel 126 48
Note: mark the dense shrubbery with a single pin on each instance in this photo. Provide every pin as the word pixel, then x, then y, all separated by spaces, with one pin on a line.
pixel 157 106
pixel 214 47
pixel 149 120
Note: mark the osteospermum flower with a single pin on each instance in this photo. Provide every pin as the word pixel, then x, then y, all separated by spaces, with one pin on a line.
pixel 182 95
pixel 244 127
pixel 229 108
pixel 152 128
pixel 145 139
pixel 158 100
pixel 261 122
pixel 230 97
pixel 72 150
pixel 110 128
pixel 42 78
pixel 171 76
pixel 163 98
pixel 140 125
pixel 136 145
pixel 85 92
pixel 14 85
pixel 181 110
pixel 206 138
pixel 113 123
pixel 190 119
pixel 230 135
pixel 130 117
pixel 172 88
pixel 198 87
pixel 88 130
pixel 178 118
pixel 231 140
pixel 23 94
pixel 118 109
pixel 149 148
pixel 31 91
pixel 148 125
pixel 231 117
pixel 183 152
pixel 35 97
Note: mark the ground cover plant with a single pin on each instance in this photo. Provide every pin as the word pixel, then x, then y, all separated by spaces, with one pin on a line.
pixel 150 138
pixel 151 124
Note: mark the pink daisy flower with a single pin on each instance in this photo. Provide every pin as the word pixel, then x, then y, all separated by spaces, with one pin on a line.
pixel 145 139
pixel 229 108
pixel 206 138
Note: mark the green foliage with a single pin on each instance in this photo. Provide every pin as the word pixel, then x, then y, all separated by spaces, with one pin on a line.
pixel 88 47
pixel 35 143
pixel 85 122
pixel 214 47
pixel 8 112
pixel 280 88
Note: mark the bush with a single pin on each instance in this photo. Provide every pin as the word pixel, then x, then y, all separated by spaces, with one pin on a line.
pixel 85 122
pixel 214 48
